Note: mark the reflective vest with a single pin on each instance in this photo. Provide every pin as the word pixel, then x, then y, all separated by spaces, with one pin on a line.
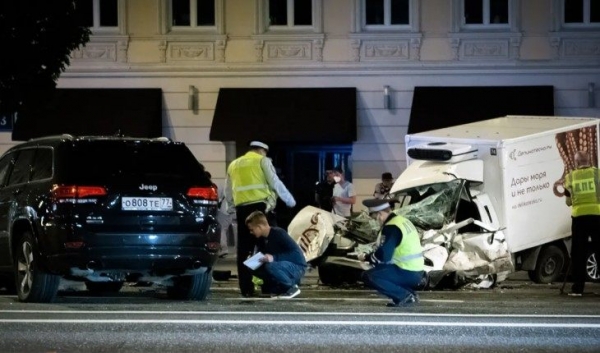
pixel 583 184
pixel 248 181
pixel 408 255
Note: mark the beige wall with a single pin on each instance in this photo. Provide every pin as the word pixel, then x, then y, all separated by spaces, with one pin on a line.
pixel 381 132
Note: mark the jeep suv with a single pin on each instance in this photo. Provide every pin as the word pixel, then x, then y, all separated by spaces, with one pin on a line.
pixel 106 210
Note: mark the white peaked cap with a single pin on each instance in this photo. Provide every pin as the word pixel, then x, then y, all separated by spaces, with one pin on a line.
pixel 259 144
pixel 376 205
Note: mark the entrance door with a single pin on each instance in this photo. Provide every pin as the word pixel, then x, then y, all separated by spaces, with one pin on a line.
pixel 300 167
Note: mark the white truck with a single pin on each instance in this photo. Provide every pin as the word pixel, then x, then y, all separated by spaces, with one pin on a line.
pixel 510 171
pixel 487 198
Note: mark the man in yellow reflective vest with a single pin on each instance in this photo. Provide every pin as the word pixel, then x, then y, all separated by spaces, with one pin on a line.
pixel 582 188
pixel 252 185
pixel 398 260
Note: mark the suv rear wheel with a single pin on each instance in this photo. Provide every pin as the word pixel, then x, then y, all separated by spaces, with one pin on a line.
pixel 33 285
pixel 591 267
pixel 194 287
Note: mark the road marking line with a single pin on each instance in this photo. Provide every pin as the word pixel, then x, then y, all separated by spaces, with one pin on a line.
pixel 281 313
pixel 307 323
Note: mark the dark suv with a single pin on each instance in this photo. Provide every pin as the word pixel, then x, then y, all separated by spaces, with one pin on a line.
pixel 106 210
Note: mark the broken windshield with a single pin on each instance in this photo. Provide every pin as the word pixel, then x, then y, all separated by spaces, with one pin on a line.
pixel 431 206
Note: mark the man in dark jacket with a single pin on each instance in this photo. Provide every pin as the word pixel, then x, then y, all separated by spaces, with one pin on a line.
pixel 283 262
pixel 324 191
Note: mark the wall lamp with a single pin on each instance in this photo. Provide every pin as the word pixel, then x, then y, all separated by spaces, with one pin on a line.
pixel 591 95
pixel 192 98
pixel 386 97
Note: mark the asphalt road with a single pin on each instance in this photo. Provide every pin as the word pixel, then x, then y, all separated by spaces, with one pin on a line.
pixel 517 316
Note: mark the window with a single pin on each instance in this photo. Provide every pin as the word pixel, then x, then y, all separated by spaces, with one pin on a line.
pixel 193 13
pixel 42 164
pixel 378 13
pixel 581 12
pixel 99 14
pixel 5 164
pixel 290 13
pixel 22 168
pixel 489 13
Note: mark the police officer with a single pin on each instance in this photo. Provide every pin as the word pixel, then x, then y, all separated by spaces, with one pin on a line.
pixel 582 189
pixel 398 259
pixel 252 185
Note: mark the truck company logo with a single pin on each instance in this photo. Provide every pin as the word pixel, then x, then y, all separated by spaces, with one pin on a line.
pixel 518 153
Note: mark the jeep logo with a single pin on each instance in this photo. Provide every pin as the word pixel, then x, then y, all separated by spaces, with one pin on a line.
pixel 148 187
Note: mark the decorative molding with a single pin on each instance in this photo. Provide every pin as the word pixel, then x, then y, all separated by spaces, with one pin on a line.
pixel 288 51
pixel 190 51
pixel 385 43
pixel 104 49
pixel 386 46
pixel 192 48
pixel 279 47
pixel 575 45
pixel 485 46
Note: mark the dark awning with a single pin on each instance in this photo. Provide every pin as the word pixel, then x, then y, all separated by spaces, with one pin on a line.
pixel 285 115
pixel 439 107
pixel 105 111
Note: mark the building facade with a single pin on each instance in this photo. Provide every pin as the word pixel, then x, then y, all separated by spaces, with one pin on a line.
pixel 191 49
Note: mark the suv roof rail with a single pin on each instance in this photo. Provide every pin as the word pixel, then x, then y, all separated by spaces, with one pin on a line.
pixel 162 138
pixel 53 137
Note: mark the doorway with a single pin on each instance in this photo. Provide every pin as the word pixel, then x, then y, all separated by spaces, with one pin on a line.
pixel 301 167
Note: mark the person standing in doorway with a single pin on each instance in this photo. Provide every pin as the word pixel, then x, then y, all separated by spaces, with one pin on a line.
pixel 344 196
pixel 582 189
pixel 398 259
pixel 324 191
pixel 252 185
pixel 383 189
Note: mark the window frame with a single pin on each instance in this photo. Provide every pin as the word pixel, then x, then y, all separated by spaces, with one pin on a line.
pixel 193 18
pixel 263 23
pixel 486 17
pixel 387 15
pixel 166 20
pixel 578 25
pixel 359 26
pixel 103 30
pixel 514 18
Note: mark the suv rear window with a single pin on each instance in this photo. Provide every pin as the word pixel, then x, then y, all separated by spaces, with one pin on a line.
pixel 101 161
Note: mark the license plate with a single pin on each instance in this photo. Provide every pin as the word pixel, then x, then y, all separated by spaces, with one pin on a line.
pixel 147 204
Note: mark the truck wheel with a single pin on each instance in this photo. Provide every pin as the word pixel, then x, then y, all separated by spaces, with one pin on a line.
pixel 103 287
pixel 591 267
pixel 550 264
pixel 33 285
pixel 195 287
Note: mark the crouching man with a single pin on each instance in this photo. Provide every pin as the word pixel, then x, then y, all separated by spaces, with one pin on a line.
pixel 284 264
pixel 398 259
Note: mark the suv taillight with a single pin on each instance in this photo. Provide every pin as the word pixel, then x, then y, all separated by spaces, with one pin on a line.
pixel 207 193
pixel 77 191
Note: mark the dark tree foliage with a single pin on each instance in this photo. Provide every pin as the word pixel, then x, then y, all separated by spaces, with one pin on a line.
pixel 37 37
